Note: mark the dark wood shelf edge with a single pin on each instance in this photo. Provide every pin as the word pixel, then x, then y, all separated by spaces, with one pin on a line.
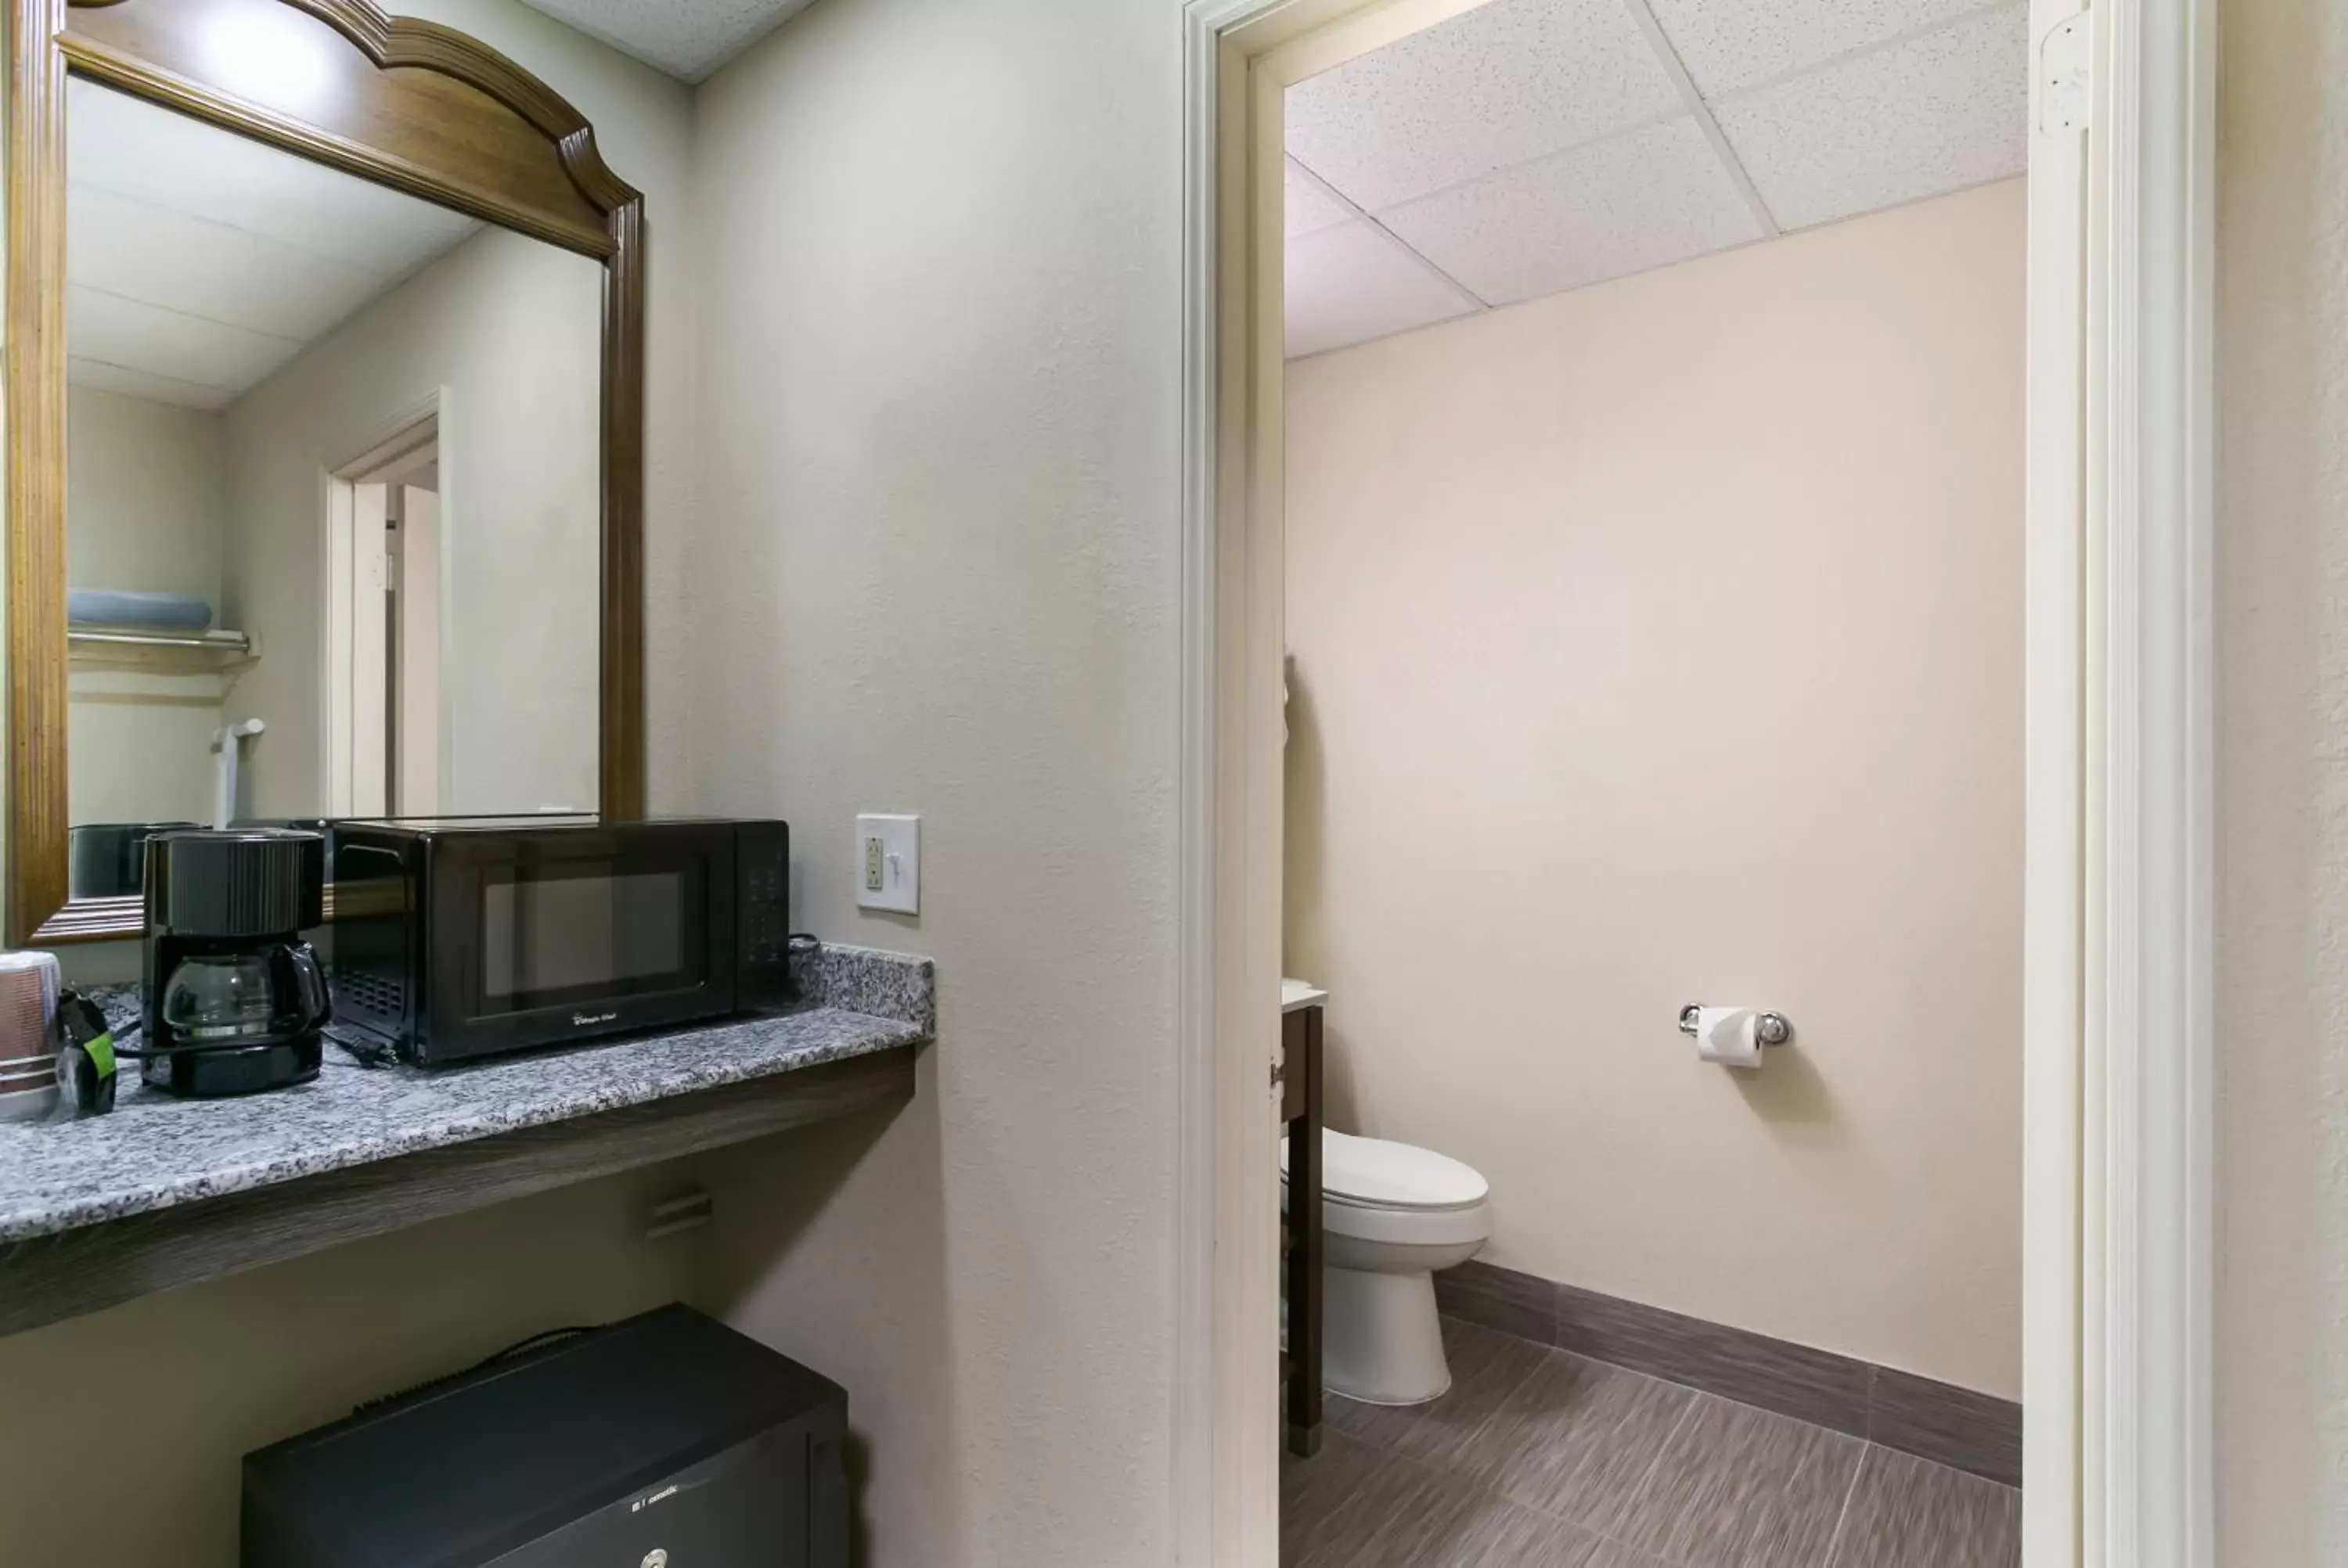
pixel 1306 1242
pixel 49 1279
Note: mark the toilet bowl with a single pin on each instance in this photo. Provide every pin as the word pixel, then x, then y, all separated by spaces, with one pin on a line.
pixel 1391 1215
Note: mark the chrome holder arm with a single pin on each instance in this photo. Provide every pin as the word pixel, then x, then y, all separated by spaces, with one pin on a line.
pixel 1773 1028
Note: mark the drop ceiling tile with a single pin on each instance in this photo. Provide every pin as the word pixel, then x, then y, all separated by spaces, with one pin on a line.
pixel 1307 206
pixel 141 384
pixel 1350 283
pixel 199 268
pixel 1644 199
pixel 1731 43
pixel 1509 81
pixel 137 335
pixel 1937 114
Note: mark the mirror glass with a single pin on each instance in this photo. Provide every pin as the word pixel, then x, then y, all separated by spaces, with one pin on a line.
pixel 333 495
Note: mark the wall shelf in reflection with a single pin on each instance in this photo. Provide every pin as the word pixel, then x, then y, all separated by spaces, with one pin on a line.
pixel 176 650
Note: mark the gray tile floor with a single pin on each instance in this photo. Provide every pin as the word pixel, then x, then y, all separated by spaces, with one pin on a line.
pixel 1537 1459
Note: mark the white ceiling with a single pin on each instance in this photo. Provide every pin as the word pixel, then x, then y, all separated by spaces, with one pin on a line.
pixel 687 38
pixel 198 262
pixel 1529 147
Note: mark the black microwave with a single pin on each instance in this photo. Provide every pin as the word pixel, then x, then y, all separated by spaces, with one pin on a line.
pixel 459 937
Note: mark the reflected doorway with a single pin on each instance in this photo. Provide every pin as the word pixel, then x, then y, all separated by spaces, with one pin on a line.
pixel 385 562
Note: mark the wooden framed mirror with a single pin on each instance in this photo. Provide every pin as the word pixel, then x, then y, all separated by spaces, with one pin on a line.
pixel 324 387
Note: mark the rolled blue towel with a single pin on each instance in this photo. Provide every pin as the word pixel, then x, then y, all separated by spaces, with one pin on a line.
pixel 155 612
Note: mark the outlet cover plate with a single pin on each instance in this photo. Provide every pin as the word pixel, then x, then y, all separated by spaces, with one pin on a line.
pixel 889 864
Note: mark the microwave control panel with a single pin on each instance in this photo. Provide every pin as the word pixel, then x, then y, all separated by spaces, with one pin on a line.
pixel 762 933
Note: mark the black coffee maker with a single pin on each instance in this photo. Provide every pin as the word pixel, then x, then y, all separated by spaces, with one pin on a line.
pixel 235 998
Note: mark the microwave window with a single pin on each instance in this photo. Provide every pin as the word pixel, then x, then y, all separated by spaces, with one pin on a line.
pixel 580 929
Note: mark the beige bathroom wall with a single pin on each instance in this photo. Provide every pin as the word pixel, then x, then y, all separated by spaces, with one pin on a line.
pixel 2283 795
pixel 509 331
pixel 144 494
pixel 1660 642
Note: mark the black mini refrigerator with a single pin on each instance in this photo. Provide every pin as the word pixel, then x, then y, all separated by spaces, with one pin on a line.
pixel 667 1441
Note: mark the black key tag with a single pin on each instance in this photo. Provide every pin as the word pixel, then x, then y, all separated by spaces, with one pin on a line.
pixel 86 1060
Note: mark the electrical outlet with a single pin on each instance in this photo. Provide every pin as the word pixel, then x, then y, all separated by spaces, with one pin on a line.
pixel 889 864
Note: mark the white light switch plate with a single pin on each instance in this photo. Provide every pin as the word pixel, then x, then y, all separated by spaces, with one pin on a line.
pixel 889 864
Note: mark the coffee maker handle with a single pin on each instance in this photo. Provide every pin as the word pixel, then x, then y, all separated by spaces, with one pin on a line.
pixel 318 1005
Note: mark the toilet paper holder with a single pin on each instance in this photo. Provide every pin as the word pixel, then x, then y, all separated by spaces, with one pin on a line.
pixel 1771 1028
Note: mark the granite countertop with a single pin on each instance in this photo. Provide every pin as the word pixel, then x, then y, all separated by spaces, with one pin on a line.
pixel 153 1150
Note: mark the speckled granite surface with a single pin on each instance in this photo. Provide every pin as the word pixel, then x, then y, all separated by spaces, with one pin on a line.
pixel 867 981
pixel 152 1150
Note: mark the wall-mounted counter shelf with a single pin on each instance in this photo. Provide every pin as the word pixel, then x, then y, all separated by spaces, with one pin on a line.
pixel 159 1193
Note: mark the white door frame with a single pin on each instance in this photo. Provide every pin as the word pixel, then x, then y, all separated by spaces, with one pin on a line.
pixel 2146 1053
pixel 394 442
pixel 2117 1017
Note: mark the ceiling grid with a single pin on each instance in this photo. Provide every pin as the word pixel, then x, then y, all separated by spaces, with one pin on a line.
pixel 1297 173
pixel 1529 147
pixel 1669 58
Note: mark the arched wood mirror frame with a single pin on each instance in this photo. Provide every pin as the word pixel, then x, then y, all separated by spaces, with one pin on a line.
pixel 408 104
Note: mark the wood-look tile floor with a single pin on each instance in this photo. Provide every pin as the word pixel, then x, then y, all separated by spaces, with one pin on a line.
pixel 1538 1458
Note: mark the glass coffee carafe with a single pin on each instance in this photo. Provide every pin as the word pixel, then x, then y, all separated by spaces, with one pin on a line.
pixel 245 996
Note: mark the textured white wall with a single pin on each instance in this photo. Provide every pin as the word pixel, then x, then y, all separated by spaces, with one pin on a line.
pixel 1660 642
pixel 2282 826
pixel 143 504
pixel 934 569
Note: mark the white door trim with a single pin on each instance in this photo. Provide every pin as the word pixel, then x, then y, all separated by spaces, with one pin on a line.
pixel 393 440
pixel 1202 1402
pixel 2056 814
pixel 2118 1096
pixel 2148 1467
pixel 1226 1437
pixel 1227 1431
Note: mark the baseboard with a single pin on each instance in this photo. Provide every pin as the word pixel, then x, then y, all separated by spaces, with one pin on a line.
pixel 1938 1422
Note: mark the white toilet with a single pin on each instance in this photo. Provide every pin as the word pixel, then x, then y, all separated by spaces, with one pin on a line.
pixel 1391 1215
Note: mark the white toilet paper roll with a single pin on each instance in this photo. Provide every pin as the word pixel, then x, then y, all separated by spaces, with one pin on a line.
pixel 1730 1036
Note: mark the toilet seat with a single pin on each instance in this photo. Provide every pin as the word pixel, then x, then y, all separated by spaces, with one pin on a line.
pixel 1378 1173
pixel 1375 1190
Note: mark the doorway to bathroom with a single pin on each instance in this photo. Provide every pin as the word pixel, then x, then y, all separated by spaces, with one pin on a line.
pixel 1652 608
pixel 2104 779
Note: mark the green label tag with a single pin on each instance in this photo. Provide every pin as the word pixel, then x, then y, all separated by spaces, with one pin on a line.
pixel 101 1054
